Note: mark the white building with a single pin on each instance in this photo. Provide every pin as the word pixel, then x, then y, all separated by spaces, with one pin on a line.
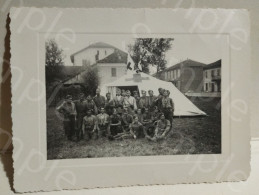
pixel 92 54
pixel 110 61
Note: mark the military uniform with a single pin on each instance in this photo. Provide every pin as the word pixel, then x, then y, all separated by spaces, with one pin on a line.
pixel 90 127
pixel 99 102
pixel 127 119
pixel 137 129
pixel 147 122
pixel 69 111
pixel 81 112
pixel 90 105
pixel 162 128
pixel 103 123
pixel 115 125
pixel 109 106
pixel 168 108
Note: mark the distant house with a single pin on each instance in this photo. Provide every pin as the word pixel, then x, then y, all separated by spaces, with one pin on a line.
pixel 187 76
pixel 92 54
pixel 212 77
pixel 110 61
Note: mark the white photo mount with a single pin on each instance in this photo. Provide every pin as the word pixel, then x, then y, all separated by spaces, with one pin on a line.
pixel 32 170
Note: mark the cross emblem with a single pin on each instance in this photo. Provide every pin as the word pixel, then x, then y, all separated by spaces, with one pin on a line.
pixel 137 78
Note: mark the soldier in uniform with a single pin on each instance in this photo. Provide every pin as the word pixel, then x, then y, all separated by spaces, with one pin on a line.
pixel 115 125
pixel 159 98
pixel 68 109
pixel 80 106
pixel 137 98
pixel 90 105
pixel 109 104
pixel 162 129
pixel 143 102
pixel 99 100
pixel 151 100
pixel 137 129
pixel 168 106
pixel 89 126
pixel 127 119
pixel 155 115
pixel 103 123
pixel 147 122
pixel 129 102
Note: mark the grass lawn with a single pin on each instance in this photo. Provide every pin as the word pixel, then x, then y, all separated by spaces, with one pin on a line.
pixel 191 135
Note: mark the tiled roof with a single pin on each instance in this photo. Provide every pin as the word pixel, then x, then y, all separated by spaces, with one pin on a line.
pixel 117 56
pixel 216 64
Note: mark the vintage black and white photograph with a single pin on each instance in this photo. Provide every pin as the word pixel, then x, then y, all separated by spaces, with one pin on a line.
pixel 120 95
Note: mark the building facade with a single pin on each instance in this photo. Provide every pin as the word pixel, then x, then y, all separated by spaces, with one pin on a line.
pixel 110 61
pixel 187 76
pixel 92 54
pixel 212 77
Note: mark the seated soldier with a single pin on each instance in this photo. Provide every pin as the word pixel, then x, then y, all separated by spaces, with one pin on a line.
pixel 115 125
pixel 139 114
pixel 162 129
pixel 155 115
pixel 147 122
pixel 103 123
pixel 89 127
pixel 127 119
pixel 136 128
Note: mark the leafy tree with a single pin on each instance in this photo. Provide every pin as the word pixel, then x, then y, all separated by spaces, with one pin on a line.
pixel 54 60
pixel 91 80
pixel 150 51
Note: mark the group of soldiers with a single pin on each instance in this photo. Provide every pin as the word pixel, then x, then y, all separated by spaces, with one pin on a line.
pixel 124 116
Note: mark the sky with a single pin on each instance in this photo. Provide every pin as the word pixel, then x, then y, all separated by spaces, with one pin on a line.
pixel 205 48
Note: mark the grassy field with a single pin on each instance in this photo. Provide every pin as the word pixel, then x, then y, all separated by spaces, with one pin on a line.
pixel 196 135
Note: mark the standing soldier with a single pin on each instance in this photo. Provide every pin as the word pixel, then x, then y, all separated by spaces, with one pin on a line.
pixel 162 129
pixel 159 98
pixel 89 126
pixel 168 106
pixel 109 104
pixel 137 98
pixel 90 105
pixel 129 102
pixel 67 108
pixel 103 123
pixel 151 100
pixel 99 100
pixel 81 112
pixel 143 102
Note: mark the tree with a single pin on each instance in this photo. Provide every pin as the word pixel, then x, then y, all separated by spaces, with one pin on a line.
pixel 54 60
pixel 91 79
pixel 150 51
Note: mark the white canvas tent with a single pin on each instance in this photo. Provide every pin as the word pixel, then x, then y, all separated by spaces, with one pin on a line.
pixel 183 106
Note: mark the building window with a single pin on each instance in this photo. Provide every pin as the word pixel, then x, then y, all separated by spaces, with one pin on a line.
pixel 165 76
pixel 206 74
pixel 218 72
pixel 172 75
pixel 206 86
pixel 212 73
pixel 114 73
